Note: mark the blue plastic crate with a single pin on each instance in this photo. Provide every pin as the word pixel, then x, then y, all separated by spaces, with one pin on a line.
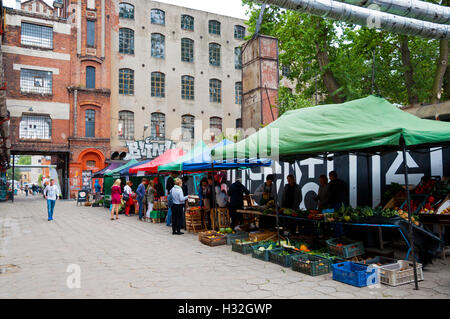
pixel 354 274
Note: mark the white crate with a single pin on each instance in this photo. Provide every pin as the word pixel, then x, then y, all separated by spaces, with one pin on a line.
pixel 393 275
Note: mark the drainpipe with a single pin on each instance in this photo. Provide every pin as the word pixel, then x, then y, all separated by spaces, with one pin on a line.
pixel 75 113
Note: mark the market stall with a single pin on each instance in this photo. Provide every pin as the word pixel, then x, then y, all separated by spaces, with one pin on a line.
pixel 370 126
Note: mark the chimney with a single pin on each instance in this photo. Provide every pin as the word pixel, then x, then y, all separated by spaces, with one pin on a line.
pixel 18 5
pixel 57 7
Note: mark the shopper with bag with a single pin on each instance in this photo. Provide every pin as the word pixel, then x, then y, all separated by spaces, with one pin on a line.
pixel 179 200
pixel 127 197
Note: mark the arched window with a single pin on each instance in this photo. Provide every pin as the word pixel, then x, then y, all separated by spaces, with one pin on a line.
pixel 187 50
pixel 90 123
pixel 187 87
pixel 158 84
pixel 239 32
pixel 187 22
pixel 187 128
pixel 238 123
pixel 214 54
pixel 158 45
pixel 158 17
pixel 238 58
pixel 158 127
pixel 238 93
pixel 214 27
pixel 215 124
pixel 126 125
pixel 215 91
pixel 126 41
pixel 126 11
pixel 90 77
pixel 126 81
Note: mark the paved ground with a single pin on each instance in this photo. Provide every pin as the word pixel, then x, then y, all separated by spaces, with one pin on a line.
pixel 132 259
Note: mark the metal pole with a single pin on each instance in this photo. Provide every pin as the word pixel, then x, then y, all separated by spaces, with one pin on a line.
pixel 411 243
pixel 12 179
pixel 214 195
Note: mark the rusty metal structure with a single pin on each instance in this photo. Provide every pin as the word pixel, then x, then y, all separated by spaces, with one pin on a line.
pixel 368 17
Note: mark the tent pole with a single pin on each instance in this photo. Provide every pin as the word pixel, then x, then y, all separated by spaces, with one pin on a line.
pixel 12 178
pixel 214 194
pixel 408 198
pixel 276 201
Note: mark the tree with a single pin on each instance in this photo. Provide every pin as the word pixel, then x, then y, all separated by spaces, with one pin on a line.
pixel 343 56
pixel 24 160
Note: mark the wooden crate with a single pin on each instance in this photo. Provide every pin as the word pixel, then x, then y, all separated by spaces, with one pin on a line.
pixel 396 201
pixel 263 235
pixel 220 240
pixel 194 222
pixel 155 220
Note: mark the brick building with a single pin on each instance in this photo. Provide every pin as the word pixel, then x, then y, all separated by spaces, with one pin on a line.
pixel 57 62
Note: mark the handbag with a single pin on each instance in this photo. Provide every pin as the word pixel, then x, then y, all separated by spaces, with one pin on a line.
pixel 170 200
pixel 126 197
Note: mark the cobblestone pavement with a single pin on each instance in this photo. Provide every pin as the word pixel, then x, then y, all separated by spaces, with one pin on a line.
pixel 131 259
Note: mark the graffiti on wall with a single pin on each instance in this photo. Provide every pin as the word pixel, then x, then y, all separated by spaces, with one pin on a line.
pixel 147 149
pixel 366 178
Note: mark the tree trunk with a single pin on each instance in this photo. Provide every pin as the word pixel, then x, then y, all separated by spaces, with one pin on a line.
pixel 329 80
pixel 446 94
pixel 408 70
pixel 442 65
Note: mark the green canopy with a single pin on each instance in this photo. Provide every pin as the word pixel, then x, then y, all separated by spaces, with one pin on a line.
pixel 118 169
pixel 177 165
pixel 371 124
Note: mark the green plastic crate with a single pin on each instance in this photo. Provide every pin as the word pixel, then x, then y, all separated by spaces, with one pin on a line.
pixel 262 255
pixel 286 260
pixel 311 265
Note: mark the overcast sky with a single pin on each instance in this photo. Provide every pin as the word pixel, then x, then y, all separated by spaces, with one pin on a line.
pixel 232 8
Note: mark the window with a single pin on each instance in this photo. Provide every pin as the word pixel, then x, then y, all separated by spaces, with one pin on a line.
pixel 158 127
pixel 214 54
pixel 239 32
pixel 36 35
pixel 126 81
pixel 187 50
pixel 215 91
pixel 126 41
pixel 90 77
pixel 238 123
pixel 238 93
pixel 35 127
pixel 214 27
pixel 187 22
pixel 126 11
pixel 215 124
pixel 285 70
pixel 90 41
pixel 158 84
pixel 187 128
pixel 158 45
pixel 238 58
pixel 35 81
pixel 187 87
pixel 157 17
pixel 126 125
pixel 91 163
pixel 90 123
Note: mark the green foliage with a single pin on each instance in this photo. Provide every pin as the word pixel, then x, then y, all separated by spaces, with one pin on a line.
pixel 350 50
pixel 287 101
pixel 24 160
pixel 16 174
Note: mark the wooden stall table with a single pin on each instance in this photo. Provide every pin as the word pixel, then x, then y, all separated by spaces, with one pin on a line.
pixel 221 216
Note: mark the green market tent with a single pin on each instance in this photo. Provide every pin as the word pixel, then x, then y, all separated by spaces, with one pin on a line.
pixel 177 165
pixel 371 124
pixel 120 168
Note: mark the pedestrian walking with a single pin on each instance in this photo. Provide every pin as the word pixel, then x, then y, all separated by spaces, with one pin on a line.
pixel 51 194
pixel 26 190
pixel 116 201
pixel 179 200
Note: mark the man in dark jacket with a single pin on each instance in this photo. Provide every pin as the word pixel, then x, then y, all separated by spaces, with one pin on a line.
pixel 338 191
pixel 140 192
pixel 292 197
pixel 236 193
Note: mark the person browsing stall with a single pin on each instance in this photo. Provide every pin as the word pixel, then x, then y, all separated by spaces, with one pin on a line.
pixel 323 196
pixel 179 201
pixel 338 191
pixel 236 193
pixel 140 192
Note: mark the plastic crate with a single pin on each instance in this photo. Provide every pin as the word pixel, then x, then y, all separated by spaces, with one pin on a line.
pixel 355 274
pixel 379 261
pixel 393 275
pixel 286 260
pixel 242 248
pixel 311 265
pixel 349 248
pixel 238 235
pixel 262 255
